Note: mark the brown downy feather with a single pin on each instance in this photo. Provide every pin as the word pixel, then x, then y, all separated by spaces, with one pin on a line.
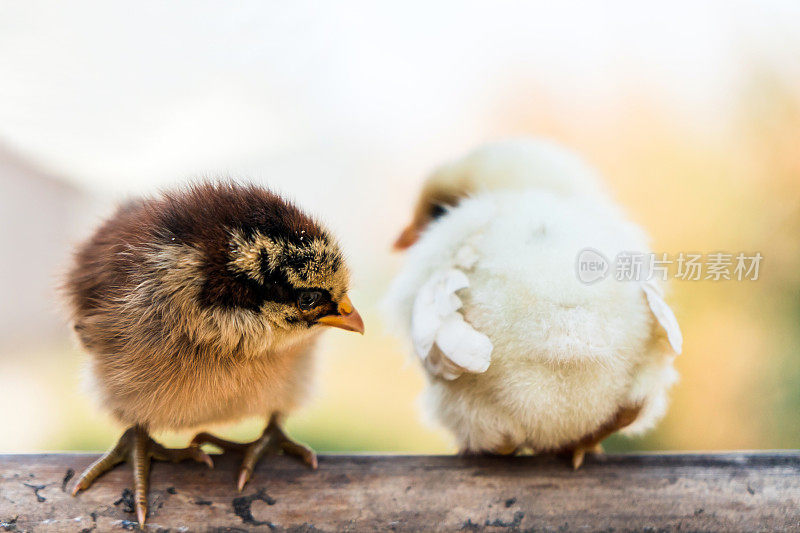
pixel 187 304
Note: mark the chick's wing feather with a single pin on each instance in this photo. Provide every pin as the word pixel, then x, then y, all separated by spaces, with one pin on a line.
pixel 663 313
pixel 446 343
pixel 425 299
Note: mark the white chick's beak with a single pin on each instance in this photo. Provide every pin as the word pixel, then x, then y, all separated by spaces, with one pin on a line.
pixel 347 319
pixel 407 238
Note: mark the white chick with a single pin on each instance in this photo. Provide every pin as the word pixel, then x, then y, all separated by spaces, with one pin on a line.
pixel 519 352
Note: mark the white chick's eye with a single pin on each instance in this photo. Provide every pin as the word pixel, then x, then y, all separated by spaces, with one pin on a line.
pixel 437 210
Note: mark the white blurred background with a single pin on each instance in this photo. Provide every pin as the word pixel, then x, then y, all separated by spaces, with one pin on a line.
pixel 689 108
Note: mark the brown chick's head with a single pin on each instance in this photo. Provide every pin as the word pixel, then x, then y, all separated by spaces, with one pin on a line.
pixel 234 268
pixel 264 256
pixel 298 277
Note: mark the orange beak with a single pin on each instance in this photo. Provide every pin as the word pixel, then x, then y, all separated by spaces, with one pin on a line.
pixel 347 319
pixel 406 239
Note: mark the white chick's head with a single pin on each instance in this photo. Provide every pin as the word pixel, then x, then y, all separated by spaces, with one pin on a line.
pixel 514 164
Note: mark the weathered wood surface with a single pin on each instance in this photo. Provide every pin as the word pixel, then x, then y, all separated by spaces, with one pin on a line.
pixel 687 492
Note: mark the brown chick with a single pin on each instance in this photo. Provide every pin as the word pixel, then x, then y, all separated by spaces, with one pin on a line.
pixel 202 306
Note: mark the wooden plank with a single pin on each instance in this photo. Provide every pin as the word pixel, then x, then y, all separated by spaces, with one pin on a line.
pixel 720 492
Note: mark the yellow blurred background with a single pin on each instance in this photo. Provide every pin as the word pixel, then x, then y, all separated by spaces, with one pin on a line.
pixel 691 112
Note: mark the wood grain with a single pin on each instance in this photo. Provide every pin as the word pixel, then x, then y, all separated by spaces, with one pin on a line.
pixel 687 492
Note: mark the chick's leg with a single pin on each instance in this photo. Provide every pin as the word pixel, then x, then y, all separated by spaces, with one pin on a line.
pixel 272 441
pixel 138 448
pixel 591 443
pixel 579 453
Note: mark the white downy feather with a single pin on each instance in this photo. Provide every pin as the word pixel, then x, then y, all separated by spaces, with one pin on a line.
pixel 664 314
pixel 564 356
pixel 446 343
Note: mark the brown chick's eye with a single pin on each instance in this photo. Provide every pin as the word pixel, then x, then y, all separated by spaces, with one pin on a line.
pixel 437 210
pixel 309 299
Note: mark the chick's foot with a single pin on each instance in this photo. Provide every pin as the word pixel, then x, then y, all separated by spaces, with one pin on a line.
pixel 136 447
pixel 579 453
pixel 591 443
pixel 272 441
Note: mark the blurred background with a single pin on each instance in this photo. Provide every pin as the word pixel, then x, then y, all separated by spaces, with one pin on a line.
pixel 690 109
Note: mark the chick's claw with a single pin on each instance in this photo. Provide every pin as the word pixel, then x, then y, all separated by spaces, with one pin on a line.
pixel 272 441
pixel 301 451
pixel 136 447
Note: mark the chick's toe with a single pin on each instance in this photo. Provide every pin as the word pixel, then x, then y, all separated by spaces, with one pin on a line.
pixel 136 447
pixel 272 441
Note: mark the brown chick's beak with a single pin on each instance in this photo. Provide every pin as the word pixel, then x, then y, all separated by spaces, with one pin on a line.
pixel 406 239
pixel 347 319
